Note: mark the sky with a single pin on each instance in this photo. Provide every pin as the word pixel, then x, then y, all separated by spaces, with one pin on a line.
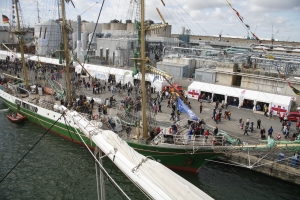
pixel 205 17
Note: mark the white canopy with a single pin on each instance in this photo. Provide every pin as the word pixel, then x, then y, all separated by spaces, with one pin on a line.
pixel 273 99
pixel 53 61
pixel 3 55
pixel 123 75
pixel 102 72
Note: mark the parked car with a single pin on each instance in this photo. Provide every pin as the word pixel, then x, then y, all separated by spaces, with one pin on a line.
pixel 292 116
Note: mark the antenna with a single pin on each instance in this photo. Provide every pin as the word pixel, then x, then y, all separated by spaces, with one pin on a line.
pixel 272 40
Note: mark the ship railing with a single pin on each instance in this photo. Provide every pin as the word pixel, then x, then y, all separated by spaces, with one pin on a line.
pixel 196 141
pixel 157 139
pixel 17 89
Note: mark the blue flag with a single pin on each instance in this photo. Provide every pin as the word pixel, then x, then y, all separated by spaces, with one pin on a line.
pixel 155 78
pixel 184 108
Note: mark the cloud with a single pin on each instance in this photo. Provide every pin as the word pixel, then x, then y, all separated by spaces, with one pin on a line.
pixel 273 5
pixel 205 17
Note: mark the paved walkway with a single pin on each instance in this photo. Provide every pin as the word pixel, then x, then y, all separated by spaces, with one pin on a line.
pixel 229 126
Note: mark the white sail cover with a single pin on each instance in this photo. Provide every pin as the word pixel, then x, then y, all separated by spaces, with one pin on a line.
pixel 155 179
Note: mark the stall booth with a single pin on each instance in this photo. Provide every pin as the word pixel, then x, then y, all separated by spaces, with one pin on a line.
pixel 248 99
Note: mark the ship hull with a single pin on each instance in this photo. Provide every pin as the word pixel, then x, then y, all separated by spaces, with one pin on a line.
pixel 175 158
pixel 181 158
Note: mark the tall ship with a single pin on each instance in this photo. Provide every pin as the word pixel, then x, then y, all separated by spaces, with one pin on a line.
pixel 176 151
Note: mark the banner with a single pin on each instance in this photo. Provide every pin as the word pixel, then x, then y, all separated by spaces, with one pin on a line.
pixel 242 97
pixel 184 108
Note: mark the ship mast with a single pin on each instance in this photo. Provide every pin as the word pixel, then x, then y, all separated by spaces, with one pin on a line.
pixel 66 50
pixel 21 35
pixel 142 62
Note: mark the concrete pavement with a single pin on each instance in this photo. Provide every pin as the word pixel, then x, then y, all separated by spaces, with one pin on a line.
pixel 230 127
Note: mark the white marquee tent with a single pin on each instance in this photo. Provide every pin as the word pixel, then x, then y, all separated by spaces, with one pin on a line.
pixel 274 100
pixel 3 55
pixel 123 75
pixel 53 61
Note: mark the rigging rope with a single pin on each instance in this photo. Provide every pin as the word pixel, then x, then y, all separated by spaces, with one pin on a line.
pixel 94 30
pixel 191 17
pixel 31 148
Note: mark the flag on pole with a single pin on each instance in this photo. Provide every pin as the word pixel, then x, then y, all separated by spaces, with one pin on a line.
pixel 155 78
pixel 5 19
pixel 184 108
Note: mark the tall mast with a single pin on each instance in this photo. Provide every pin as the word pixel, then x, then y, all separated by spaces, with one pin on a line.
pixel 142 62
pixel 21 35
pixel 66 50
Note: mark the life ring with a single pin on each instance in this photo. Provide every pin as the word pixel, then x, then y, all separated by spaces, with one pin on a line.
pixel 95 117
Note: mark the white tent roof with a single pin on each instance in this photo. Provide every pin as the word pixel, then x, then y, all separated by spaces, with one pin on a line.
pixel 236 92
pixel 106 70
pixel 54 61
pixel 3 54
pixel 116 71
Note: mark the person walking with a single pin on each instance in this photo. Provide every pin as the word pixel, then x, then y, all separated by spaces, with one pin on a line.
pixel 214 114
pixel 262 132
pixel 240 121
pixel 251 126
pixel 206 134
pixel 258 123
pixel 246 130
pixel 287 132
pixel 172 115
pixel 270 131
pixel 155 109
pixel 216 131
pixel 159 108
pixel 200 107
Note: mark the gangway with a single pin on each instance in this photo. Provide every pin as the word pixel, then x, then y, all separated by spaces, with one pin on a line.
pixel 57 87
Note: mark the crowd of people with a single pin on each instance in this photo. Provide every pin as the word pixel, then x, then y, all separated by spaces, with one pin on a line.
pixel 285 129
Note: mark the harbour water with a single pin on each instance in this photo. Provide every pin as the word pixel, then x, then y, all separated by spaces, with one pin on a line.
pixel 59 169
